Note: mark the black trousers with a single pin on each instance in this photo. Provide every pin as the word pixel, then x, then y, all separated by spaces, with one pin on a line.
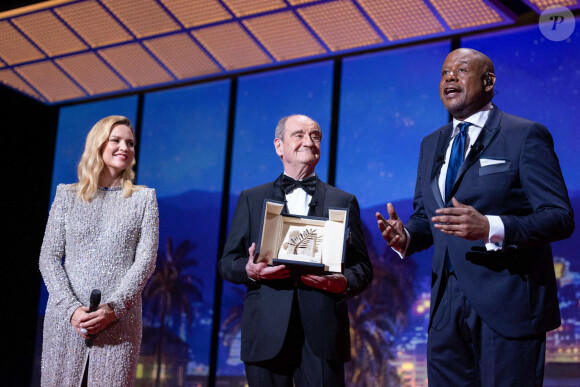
pixel 296 364
pixel 462 350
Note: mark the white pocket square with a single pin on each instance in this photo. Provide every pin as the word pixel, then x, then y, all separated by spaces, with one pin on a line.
pixel 486 162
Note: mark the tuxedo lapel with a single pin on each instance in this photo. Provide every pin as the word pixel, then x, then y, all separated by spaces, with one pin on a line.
pixel 278 193
pixel 317 202
pixel 442 144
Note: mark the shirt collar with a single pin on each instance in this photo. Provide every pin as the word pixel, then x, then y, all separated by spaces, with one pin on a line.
pixel 477 119
pixel 312 174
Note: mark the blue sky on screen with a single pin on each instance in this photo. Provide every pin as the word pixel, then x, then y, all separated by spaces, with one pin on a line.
pixel 389 102
pixel 539 79
pixel 183 139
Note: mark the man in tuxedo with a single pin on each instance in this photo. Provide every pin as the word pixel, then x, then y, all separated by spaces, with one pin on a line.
pixel 489 197
pixel 295 328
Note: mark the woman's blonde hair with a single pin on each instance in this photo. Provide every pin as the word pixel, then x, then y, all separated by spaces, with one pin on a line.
pixel 92 164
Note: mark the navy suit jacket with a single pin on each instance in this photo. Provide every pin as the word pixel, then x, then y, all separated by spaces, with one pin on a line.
pixel 269 302
pixel 513 290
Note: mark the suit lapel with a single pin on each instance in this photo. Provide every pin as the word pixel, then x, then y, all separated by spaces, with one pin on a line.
pixel 442 144
pixel 488 132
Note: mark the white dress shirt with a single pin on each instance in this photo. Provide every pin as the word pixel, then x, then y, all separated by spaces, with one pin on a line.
pixel 496 226
pixel 298 201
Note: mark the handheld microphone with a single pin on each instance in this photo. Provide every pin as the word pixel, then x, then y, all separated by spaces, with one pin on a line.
pixel 93 305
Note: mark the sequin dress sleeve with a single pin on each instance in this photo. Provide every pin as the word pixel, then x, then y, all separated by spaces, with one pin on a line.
pixel 51 255
pixel 131 286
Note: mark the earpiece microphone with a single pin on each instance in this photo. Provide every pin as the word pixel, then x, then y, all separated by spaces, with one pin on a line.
pixel 487 78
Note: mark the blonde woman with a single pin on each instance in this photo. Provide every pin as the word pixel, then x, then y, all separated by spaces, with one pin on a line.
pixel 102 233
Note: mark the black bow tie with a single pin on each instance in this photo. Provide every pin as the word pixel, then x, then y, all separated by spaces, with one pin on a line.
pixel 308 184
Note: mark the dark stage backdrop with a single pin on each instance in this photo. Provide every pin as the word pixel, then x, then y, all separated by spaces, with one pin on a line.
pixel 388 102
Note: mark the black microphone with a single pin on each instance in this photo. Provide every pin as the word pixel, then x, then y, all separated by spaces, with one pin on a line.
pixel 477 147
pixel 93 305
pixel 440 158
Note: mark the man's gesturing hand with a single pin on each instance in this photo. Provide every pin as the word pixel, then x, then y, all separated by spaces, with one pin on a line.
pixel 462 221
pixel 392 229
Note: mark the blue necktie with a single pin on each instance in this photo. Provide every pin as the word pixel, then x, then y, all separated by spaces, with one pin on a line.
pixel 456 157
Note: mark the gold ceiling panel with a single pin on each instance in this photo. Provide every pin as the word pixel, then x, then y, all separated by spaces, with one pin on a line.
pixel 180 54
pixel 49 33
pixel 284 36
pixel 135 65
pixel 543 4
pixel 231 46
pixel 340 25
pixel 466 13
pixel 50 81
pixel 15 48
pixel 9 78
pixel 91 48
pixel 196 13
pixel 398 20
pixel 245 7
pixel 91 73
pixel 93 23
pixel 298 2
pixel 143 17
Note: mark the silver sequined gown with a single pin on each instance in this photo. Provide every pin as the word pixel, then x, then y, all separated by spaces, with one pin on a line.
pixel 110 244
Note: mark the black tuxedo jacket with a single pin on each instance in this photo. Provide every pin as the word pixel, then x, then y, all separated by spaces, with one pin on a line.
pixel 269 302
pixel 511 171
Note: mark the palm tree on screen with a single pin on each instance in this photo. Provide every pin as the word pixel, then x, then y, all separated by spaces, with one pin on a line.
pixel 171 292
pixel 376 316
pixel 232 324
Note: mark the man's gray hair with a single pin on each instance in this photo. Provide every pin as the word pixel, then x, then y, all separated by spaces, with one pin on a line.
pixel 281 127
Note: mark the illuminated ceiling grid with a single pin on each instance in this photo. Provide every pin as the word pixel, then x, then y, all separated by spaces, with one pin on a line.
pixel 93 24
pixel 245 7
pixel 191 61
pixel 198 12
pixel 8 77
pixel 401 21
pixel 284 36
pixel 92 74
pixel 48 79
pixel 231 45
pixel 136 65
pixel 14 47
pixel 340 25
pixel 143 17
pixel 60 41
pixel 543 4
pixel 298 2
pixel 466 13
pixel 66 50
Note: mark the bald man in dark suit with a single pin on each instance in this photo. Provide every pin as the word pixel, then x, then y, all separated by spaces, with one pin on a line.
pixel 489 197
